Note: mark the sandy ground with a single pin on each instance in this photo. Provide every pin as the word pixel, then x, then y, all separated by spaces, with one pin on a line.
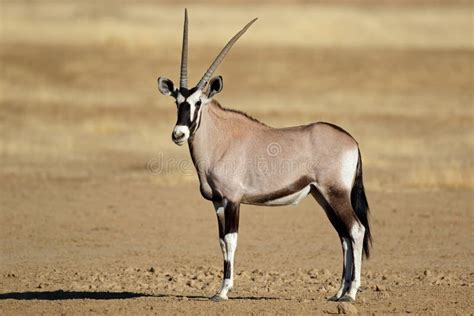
pixel 100 212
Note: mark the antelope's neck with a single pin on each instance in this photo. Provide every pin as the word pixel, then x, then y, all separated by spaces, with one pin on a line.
pixel 205 143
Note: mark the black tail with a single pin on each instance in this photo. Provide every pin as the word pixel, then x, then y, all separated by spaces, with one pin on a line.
pixel 361 206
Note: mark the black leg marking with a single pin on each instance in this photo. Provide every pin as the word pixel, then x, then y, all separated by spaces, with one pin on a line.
pixel 220 224
pixel 227 269
pixel 231 211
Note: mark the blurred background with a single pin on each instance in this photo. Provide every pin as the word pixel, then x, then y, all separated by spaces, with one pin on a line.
pixel 78 82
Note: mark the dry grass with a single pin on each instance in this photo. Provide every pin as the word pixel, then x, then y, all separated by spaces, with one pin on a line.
pixel 78 95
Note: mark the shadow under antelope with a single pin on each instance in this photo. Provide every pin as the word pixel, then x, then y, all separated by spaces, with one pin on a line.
pixel 240 160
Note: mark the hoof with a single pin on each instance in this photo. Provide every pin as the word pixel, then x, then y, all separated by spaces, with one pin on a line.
pixel 333 298
pixel 346 298
pixel 218 298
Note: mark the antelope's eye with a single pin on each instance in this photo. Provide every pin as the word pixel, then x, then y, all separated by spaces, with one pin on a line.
pixel 198 103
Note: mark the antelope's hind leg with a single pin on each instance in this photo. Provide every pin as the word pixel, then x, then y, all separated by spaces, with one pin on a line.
pixel 357 237
pixel 347 271
pixel 339 212
pixel 228 221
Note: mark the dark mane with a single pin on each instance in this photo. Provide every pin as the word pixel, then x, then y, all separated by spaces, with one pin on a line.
pixel 239 113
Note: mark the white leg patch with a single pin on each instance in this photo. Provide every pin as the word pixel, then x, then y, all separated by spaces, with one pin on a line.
pixel 231 245
pixel 192 99
pixel 357 233
pixel 230 241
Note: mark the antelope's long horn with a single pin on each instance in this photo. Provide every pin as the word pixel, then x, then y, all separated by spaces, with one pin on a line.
pixel 221 56
pixel 183 79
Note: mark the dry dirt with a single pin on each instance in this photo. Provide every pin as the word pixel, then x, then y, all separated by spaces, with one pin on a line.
pixel 100 212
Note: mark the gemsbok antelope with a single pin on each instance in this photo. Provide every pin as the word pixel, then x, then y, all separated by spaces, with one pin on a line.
pixel 240 160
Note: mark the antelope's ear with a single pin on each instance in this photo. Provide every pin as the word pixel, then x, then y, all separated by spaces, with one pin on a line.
pixel 215 86
pixel 166 86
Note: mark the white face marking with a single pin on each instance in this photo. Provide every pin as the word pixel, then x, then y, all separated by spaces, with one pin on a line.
pixel 348 167
pixel 293 199
pixel 181 129
pixel 180 98
pixel 192 99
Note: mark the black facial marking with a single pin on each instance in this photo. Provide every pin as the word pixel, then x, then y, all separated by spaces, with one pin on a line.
pixel 184 114
pixel 184 111
pixel 186 93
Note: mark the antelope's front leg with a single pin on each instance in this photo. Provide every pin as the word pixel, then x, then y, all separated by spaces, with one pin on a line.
pixel 228 221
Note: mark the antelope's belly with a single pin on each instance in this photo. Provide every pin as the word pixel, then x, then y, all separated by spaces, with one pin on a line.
pixel 293 199
pixel 290 199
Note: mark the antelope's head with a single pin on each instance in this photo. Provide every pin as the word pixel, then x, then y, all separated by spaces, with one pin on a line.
pixel 190 101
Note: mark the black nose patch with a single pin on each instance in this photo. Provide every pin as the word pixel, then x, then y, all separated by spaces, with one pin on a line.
pixel 184 114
